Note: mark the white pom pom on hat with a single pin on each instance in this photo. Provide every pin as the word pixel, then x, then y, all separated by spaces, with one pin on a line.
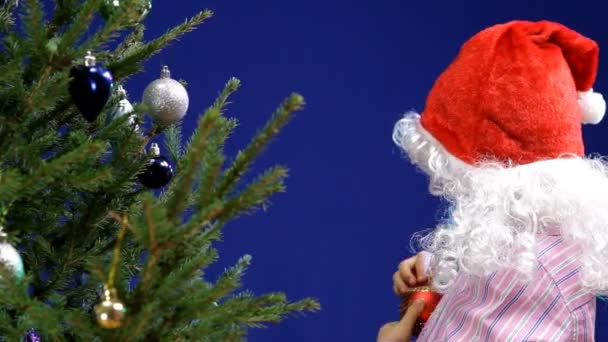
pixel 593 106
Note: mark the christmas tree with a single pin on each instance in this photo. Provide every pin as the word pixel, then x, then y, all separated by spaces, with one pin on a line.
pixel 105 234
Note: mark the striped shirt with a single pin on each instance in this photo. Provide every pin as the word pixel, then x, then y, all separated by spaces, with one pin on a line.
pixel 500 307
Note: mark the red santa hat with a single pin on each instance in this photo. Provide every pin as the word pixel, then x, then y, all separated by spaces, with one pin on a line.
pixel 517 92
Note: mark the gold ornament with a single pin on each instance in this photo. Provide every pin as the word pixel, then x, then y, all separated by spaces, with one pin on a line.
pixel 111 311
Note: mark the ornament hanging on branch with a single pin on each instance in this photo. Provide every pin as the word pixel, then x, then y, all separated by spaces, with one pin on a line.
pixel 121 108
pixel 110 8
pixel 91 87
pixel 32 336
pixel 9 256
pixel 111 311
pixel 166 99
pixel 159 172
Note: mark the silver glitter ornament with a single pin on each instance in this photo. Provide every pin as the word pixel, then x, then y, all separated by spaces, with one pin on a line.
pixel 166 99
pixel 9 256
pixel 121 108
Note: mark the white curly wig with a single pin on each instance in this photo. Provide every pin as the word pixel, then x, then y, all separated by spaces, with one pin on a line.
pixel 500 211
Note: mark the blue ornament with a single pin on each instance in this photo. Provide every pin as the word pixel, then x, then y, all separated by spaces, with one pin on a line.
pixel 32 336
pixel 158 173
pixel 90 88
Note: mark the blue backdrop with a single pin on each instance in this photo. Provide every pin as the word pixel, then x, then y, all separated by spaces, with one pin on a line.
pixel 352 201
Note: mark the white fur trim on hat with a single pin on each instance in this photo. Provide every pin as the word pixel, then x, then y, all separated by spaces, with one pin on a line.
pixel 592 105
pixel 422 148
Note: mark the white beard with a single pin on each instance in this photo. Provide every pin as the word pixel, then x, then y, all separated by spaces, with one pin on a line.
pixel 500 212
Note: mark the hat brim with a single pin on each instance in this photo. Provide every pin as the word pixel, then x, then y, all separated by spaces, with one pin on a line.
pixel 423 149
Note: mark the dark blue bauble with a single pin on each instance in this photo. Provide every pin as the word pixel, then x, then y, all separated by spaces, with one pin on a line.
pixel 158 173
pixel 32 336
pixel 90 88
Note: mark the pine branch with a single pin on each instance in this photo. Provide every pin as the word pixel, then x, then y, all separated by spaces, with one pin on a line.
pixel 214 158
pixel 64 11
pixel 131 62
pixel 256 194
pixel 230 88
pixel 246 157
pixel 212 169
pixel 133 39
pixel 34 26
pixel 36 313
pixel 93 180
pixel 13 288
pixel 274 307
pixel 245 310
pixel 80 23
pixel 190 268
pixel 149 312
pixel 113 25
pixel 173 142
pixel 255 312
pixel 150 232
pixel 6 18
pixel 45 93
pixel 196 150
pixel 191 238
pixel 10 73
pixel 59 167
pixel 10 184
pixel 195 306
pixel 211 132
pixel 230 280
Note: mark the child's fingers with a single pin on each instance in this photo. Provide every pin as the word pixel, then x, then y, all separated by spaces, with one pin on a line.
pixel 385 334
pixel 402 331
pixel 406 325
pixel 398 285
pixel 406 268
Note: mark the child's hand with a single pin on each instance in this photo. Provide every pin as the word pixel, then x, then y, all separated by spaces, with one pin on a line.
pixel 401 331
pixel 411 273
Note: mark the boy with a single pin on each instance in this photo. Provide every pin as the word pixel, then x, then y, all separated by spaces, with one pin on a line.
pixel 525 251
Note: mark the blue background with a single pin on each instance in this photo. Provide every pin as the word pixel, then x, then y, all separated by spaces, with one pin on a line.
pixel 353 201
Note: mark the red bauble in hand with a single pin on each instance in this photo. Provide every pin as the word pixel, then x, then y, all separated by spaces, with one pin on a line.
pixel 430 298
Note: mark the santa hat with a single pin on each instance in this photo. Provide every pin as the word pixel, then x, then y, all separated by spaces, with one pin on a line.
pixel 518 93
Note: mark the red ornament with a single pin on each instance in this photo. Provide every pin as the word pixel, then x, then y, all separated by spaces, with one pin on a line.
pixel 430 298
